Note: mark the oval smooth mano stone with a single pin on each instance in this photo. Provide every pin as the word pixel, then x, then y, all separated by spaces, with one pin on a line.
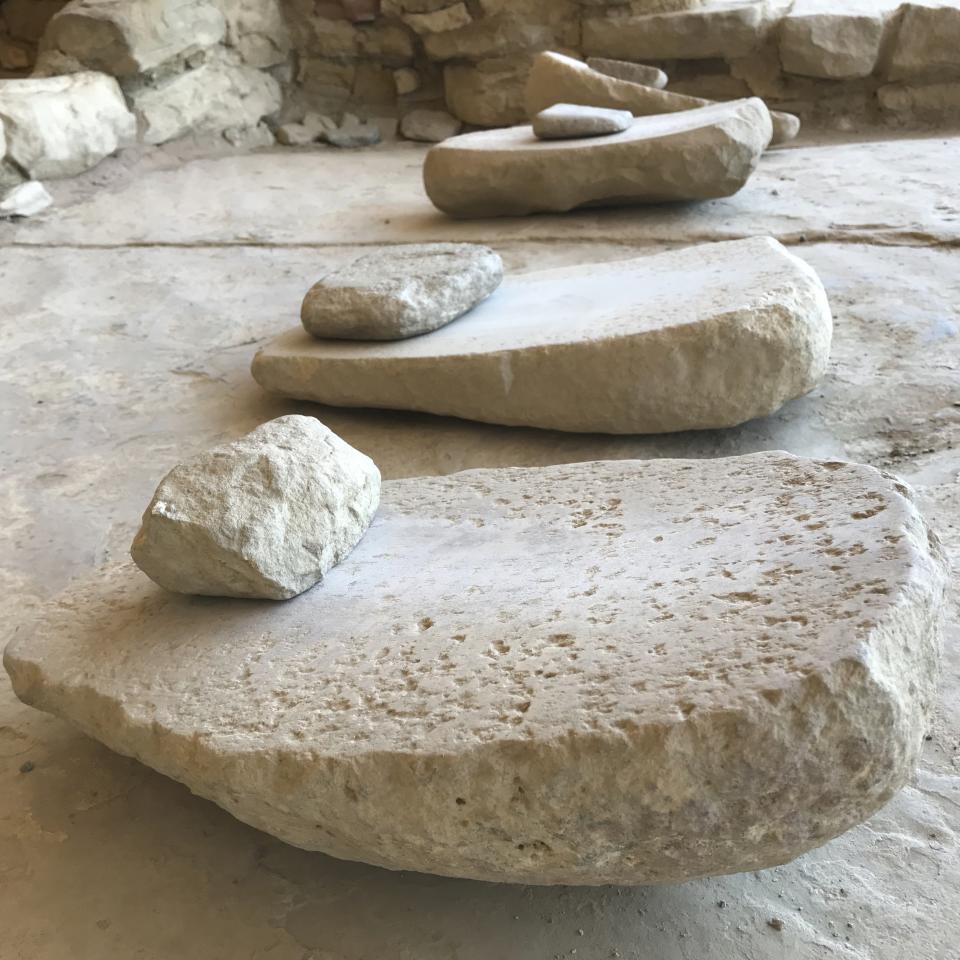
pixel 706 337
pixel 693 155
pixel 401 291
pixel 567 121
pixel 617 672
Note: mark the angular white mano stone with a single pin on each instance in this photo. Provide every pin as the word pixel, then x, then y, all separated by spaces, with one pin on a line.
pixel 565 121
pixel 620 672
pixel 62 126
pixel 694 155
pixel 401 291
pixel 709 336
pixel 264 516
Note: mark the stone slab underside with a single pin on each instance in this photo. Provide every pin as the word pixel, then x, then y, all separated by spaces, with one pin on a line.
pixel 883 192
pixel 735 661
pixel 704 337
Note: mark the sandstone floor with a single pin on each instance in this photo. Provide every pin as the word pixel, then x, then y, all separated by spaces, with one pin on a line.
pixel 128 317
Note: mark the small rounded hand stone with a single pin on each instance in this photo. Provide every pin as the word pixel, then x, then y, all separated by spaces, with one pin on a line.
pixel 401 291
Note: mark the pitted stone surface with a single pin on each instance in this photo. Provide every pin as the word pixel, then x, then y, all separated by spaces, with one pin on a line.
pixel 735 661
pixel 401 291
pixel 265 516
pixel 694 155
pixel 565 121
pixel 555 78
pixel 709 336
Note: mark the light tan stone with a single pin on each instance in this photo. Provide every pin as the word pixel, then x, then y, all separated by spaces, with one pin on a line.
pixel 927 43
pixel 489 93
pixel 693 155
pixel 716 30
pixel 930 102
pixel 565 121
pixel 211 98
pixel 705 337
pixel 265 516
pixel 401 291
pixel 627 70
pixel 128 37
pixel 818 39
pixel 735 661
pixel 446 18
pixel 555 78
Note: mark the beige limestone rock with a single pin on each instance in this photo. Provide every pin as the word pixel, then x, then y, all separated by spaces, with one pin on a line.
pixel 406 80
pixel 925 102
pixel 701 338
pixel 927 43
pixel 401 291
pixel 489 93
pixel 719 29
pixel 818 39
pixel 626 70
pixel 265 516
pixel 127 37
pixel 693 155
pixel 599 673
pixel 61 126
pixel 565 121
pixel 445 18
pixel 555 78
pixel 214 96
pixel 429 126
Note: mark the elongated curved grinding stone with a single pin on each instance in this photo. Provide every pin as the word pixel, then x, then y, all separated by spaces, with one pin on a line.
pixel 705 337
pixel 692 155
pixel 615 672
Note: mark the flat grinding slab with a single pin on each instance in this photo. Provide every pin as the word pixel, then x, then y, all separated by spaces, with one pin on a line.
pixel 705 337
pixel 691 155
pixel 608 672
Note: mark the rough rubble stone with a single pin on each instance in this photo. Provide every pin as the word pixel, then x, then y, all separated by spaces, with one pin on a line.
pixel 214 96
pixel 127 37
pixel 265 516
pixel 555 78
pixel 61 126
pixel 353 132
pixel 438 21
pixel 429 126
pixel 701 338
pixel 693 155
pixel 929 102
pixel 820 40
pixel 927 43
pixel 716 30
pixel 489 93
pixel 313 128
pixel 564 121
pixel 25 200
pixel 600 673
pixel 401 291
pixel 626 70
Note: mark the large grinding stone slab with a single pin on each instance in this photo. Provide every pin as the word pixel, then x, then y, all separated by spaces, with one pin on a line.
pixel 608 672
pixel 692 155
pixel 709 336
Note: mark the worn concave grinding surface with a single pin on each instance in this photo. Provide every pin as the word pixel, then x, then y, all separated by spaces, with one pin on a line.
pixel 705 337
pixel 609 672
